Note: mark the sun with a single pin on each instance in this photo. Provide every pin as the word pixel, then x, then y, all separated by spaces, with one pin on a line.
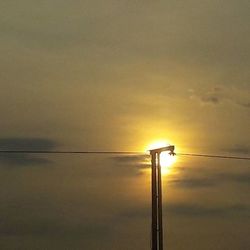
pixel 166 160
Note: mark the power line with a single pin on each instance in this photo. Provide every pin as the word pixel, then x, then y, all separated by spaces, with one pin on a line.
pixel 115 153
pixel 66 152
pixel 215 156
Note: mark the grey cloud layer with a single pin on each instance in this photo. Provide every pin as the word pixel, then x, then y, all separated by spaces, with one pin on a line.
pixel 238 149
pixel 24 159
pixel 18 143
pixel 194 210
pixel 131 164
pixel 211 180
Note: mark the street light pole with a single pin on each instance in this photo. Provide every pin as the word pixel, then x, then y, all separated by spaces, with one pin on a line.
pixel 160 228
pixel 154 231
pixel 157 227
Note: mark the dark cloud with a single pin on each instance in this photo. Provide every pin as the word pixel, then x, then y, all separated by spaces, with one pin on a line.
pixel 132 159
pixel 218 95
pixel 211 180
pixel 239 178
pixel 214 95
pixel 15 143
pixel 48 226
pixel 132 164
pixel 211 99
pixel 191 210
pixel 207 179
pixel 246 105
pixel 193 182
pixel 24 159
pixel 136 212
pixel 199 210
pixel 238 149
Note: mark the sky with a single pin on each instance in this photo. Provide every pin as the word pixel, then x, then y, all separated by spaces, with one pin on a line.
pixel 119 75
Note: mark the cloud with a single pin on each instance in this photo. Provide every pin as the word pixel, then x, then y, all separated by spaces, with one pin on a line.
pixel 21 160
pixel 132 164
pixel 211 180
pixel 132 159
pixel 238 149
pixel 191 210
pixel 48 227
pixel 193 182
pixel 245 104
pixel 199 210
pixel 24 159
pixel 210 96
pixel 14 143
pixel 239 178
pixel 211 99
pixel 136 213
pixel 221 94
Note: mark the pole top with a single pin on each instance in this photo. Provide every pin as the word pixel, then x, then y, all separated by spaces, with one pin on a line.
pixel 159 150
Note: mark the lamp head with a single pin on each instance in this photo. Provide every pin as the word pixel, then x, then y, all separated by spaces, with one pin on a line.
pixel 169 148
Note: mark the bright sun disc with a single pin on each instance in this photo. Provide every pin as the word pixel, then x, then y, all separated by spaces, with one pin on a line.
pixel 166 160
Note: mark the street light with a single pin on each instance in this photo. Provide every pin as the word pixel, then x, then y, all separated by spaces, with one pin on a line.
pixel 157 228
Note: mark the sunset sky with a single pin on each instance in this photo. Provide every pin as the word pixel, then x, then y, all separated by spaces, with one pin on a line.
pixel 119 75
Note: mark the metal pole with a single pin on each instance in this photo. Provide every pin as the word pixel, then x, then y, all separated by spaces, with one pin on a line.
pixel 160 227
pixel 154 204
pixel 157 227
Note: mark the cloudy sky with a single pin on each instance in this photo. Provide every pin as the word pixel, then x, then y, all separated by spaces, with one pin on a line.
pixel 118 75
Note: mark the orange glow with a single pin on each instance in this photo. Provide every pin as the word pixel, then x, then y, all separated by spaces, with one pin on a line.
pixel 166 160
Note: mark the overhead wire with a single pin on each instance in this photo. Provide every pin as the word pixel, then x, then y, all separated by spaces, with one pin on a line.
pixel 116 153
pixel 215 156
pixel 66 152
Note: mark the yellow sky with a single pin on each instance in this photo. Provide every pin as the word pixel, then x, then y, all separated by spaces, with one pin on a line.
pixel 119 75
pixel 92 75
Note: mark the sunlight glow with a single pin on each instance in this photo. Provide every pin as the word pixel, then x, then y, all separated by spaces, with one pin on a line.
pixel 157 144
pixel 166 160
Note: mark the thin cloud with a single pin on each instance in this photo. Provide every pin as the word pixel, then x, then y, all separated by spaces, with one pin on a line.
pixel 219 95
pixel 191 210
pixel 208 180
pixel 24 159
pixel 131 159
pixel 194 210
pixel 211 99
pixel 238 149
pixel 245 105
pixel 193 182
pixel 34 143
pixel 51 226
pixel 131 164
pixel 238 178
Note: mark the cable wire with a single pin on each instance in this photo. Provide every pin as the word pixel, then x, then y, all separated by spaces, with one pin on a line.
pixel 116 153
pixel 215 156
pixel 66 152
